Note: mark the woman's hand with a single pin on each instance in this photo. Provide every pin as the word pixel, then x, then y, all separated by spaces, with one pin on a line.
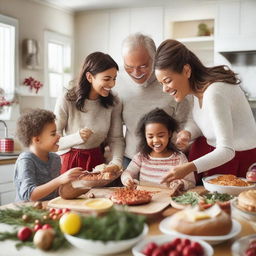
pixel 85 133
pixel 183 139
pixel 70 175
pixel 179 172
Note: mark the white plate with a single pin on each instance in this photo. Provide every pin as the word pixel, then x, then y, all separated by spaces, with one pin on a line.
pixel 110 247
pixel 232 190
pixel 236 228
pixel 160 239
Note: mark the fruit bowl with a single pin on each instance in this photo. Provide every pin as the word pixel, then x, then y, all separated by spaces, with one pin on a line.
pixel 161 239
pixel 240 246
pixel 105 248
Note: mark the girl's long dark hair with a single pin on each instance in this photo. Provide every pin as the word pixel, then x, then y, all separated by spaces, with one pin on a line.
pixel 157 115
pixel 94 63
pixel 173 55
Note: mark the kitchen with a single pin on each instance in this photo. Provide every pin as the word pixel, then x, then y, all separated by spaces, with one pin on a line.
pixel 104 29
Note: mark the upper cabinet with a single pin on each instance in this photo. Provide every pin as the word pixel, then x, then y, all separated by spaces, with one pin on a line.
pixel 197 35
pixel 235 26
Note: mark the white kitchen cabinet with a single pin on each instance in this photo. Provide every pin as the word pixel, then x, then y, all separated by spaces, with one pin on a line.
pixel 187 33
pixel 148 21
pixel 7 190
pixel 235 26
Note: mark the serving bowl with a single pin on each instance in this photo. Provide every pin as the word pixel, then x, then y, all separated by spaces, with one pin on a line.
pixel 232 190
pixel 105 248
pixel 240 246
pixel 161 239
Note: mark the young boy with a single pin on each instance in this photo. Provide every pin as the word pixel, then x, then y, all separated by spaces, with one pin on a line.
pixel 37 171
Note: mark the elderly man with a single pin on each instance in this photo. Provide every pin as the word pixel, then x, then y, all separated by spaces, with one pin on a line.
pixel 139 90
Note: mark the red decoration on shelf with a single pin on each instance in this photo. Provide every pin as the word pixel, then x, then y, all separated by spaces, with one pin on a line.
pixel 32 83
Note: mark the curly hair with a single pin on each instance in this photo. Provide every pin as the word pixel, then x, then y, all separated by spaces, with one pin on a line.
pixel 94 63
pixel 32 123
pixel 156 115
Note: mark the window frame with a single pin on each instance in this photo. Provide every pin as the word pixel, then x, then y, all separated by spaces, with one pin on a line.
pixel 15 23
pixel 57 38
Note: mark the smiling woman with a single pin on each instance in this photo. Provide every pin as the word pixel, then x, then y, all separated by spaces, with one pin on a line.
pixel 89 115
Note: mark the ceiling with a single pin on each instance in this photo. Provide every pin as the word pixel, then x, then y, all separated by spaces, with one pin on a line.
pixel 82 5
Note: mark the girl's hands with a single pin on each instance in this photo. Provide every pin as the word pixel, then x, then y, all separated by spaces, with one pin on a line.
pixel 85 133
pixel 70 175
pixel 183 139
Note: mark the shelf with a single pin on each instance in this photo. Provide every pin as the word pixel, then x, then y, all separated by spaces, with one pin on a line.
pixel 196 39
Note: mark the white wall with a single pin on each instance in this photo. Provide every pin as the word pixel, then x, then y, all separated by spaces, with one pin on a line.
pixel 33 19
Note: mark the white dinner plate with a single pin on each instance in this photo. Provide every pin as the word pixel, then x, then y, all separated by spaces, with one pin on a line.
pixel 160 239
pixel 236 228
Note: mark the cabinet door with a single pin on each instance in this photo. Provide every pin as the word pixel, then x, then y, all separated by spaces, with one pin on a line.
pixel 119 28
pixel 235 26
pixel 148 21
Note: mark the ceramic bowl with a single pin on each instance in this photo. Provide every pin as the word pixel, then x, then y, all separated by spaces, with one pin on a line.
pixel 232 190
pixel 161 239
pixel 240 246
pixel 105 248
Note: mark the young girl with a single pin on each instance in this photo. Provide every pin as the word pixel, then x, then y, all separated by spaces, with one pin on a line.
pixel 37 171
pixel 89 115
pixel 157 155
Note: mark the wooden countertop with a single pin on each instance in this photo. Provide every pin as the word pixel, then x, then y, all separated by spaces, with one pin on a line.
pixel 219 250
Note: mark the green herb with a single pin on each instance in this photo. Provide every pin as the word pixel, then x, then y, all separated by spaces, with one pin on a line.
pixel 187 198
pixel 116 225
pixel 211 198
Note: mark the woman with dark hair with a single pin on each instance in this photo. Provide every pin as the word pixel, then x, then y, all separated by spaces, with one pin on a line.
pixel 157 153
pixel 89 115
pixel 221 119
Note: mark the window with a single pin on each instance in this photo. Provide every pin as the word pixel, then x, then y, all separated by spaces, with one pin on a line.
pixel 58 65
pixel 8 55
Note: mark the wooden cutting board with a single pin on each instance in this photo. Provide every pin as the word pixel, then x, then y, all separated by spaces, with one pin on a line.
pixel 160 200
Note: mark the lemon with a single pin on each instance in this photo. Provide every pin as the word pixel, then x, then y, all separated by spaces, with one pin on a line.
pixel 70 223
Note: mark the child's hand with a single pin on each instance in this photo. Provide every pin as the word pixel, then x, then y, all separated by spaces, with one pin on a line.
pixel 130 182
pixel 70 175
pixel 85 133
pixel 183 139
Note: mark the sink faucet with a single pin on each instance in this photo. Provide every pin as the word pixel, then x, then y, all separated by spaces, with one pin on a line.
pixel 5 128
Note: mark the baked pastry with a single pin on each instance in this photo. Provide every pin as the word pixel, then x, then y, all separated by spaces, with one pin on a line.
pixel 247 200
pixel 201 223
pixel 66 191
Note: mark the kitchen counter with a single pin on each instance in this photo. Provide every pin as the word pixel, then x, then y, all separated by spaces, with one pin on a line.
pixel 8 247
pixel 9 158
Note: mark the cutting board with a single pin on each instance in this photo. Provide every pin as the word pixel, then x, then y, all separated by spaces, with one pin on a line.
pixel 160 200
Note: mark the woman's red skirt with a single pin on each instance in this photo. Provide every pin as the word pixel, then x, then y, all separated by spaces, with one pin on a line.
pixel 84 158
pixel 237 166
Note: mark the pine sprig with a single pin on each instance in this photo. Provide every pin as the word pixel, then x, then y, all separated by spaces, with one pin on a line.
pixel 14 217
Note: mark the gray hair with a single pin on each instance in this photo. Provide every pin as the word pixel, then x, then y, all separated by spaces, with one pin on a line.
pixel 136 40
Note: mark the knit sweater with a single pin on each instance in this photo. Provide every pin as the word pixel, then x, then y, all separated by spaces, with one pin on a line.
pixel 153 169
pixel 225 119
pixel 137 100
pixel 106 124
